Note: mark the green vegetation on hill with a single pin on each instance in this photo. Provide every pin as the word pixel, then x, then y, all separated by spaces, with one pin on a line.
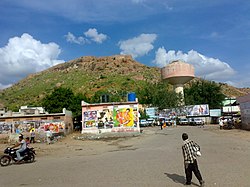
pixel 89 76
pixel 93 76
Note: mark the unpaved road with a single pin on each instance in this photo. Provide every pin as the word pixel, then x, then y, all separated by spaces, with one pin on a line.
pixel 152 159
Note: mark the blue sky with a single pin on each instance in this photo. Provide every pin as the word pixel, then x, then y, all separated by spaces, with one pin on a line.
pixel 212 35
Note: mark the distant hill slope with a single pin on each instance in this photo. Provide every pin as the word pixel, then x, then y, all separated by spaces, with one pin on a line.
pixel 84 75
pixel 87 75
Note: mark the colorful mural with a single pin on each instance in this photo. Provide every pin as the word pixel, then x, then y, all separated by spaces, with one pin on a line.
pixel 123 117
pixel 5 128
pixel 55 127
pixel 37 126
pixel 90 119
pixel 113 116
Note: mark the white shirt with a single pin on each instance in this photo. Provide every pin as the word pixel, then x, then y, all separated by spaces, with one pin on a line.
pixel 23 145
pixel 48 133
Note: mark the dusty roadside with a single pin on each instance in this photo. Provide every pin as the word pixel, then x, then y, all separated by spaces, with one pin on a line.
pixel 72 142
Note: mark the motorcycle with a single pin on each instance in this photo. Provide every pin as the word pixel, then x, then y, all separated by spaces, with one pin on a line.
pixel 10 155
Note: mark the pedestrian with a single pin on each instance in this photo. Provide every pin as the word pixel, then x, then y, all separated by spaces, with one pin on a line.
pixel 161 123
pixel 48 136
pixel 32 136
pixel 189 149
pixel 221 123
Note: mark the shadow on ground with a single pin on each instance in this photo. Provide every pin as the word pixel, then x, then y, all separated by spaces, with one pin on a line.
pixel 178 178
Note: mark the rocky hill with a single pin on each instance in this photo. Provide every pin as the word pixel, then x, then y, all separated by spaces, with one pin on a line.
pixel 87 75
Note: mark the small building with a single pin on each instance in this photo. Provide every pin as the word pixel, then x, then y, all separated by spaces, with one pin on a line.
pixel 110 117
pixel 35 118
pixel 230 107
pixel 244 102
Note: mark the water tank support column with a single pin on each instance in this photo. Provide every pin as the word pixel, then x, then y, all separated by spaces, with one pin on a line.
pixel 178 88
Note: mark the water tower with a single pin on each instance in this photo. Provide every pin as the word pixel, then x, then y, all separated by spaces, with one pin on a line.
pixel 178 73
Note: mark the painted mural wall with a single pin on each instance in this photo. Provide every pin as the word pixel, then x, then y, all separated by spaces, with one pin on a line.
pixel 111 117
pixel 56 126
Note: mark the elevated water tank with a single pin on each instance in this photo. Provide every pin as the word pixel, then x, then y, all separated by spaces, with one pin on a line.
pixel 178 73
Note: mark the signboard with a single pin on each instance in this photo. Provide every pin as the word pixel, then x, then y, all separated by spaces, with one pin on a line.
pixel 215 112
pixel 151 112
pixel 197 110
pixel 110 117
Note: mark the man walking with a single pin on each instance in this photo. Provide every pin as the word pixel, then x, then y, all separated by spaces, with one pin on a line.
pixel 189 154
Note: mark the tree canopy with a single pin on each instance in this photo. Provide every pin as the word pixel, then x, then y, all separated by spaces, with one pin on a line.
pixel 204 92
pixel 158 95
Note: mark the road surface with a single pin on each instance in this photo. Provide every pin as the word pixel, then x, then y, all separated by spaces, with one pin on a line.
pixel 153 159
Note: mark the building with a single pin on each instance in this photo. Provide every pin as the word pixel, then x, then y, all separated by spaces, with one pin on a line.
pixel 110 117
pixel 230 107
pixel 35 118
pixel 244 102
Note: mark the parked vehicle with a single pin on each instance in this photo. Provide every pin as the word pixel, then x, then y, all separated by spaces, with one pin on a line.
pixel 150 121
pixel 10 155
pixel 143 123
pixel 183 121
pixel 196 121
pixel 168 121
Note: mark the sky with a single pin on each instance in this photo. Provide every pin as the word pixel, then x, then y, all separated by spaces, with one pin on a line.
pixel 212 35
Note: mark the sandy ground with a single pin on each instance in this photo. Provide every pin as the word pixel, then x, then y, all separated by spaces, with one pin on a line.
pixel 157 160
pixel 71 144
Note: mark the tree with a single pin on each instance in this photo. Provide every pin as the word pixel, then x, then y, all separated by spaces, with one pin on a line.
pixel 60 98
pixel 65 98
pixel 204 92
pixel 165 97
pixel 159 95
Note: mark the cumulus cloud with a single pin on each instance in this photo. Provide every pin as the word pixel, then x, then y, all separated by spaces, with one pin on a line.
pixel 90 35
pixel 138 46
pixel 94 36
pixel 73 39
pixel 25 55
pixel 205 67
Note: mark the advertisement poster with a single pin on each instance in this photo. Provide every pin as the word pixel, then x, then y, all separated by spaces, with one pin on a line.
pixel 54 127
pixel 5 128
pixel 123 117
pixel 197 110
pixel 90 119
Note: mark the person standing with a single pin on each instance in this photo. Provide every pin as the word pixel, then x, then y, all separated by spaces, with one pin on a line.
pixel 221 123
pixel 189 149
pixel 32 136
pixel 48 136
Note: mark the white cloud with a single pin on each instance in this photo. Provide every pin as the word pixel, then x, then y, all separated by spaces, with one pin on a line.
pixel 90 35
pixel 205 67
pixel 25 55
pixel 72 39
pixel 94 36
pixel 138 46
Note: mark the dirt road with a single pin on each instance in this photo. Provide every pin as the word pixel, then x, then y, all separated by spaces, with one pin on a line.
pixel 152 159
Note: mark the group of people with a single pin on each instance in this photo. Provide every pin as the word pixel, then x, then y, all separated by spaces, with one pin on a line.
pixel 23 144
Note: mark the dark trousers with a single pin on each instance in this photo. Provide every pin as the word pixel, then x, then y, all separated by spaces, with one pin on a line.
pixel 32 139
pixel 192 167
